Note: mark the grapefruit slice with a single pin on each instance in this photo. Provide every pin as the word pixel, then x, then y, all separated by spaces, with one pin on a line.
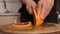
pixel 22 26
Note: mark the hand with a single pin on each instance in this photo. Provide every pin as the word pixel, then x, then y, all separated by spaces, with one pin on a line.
pixel 30 5
pixel 44 7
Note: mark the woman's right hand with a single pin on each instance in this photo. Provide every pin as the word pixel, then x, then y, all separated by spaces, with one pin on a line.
pixel 30 5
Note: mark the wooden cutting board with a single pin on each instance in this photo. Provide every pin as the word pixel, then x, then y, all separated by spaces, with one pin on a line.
pixel 45 28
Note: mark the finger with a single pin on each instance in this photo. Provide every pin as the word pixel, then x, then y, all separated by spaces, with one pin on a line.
pixel 46 10
pixel 29 9
pixel 39 8
pixel 34 5
pixel 43 13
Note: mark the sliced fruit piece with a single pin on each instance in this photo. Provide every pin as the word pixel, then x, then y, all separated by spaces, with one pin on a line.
pixel 22 26
pixel 38 20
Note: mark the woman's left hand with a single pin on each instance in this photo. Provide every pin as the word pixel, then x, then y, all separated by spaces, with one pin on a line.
pixel 44 7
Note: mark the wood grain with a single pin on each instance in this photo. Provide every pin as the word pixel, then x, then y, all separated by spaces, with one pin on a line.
pixel 45 28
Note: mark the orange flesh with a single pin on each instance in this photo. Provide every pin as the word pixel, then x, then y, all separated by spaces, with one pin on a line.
pixel 27 26
pixel 38 20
